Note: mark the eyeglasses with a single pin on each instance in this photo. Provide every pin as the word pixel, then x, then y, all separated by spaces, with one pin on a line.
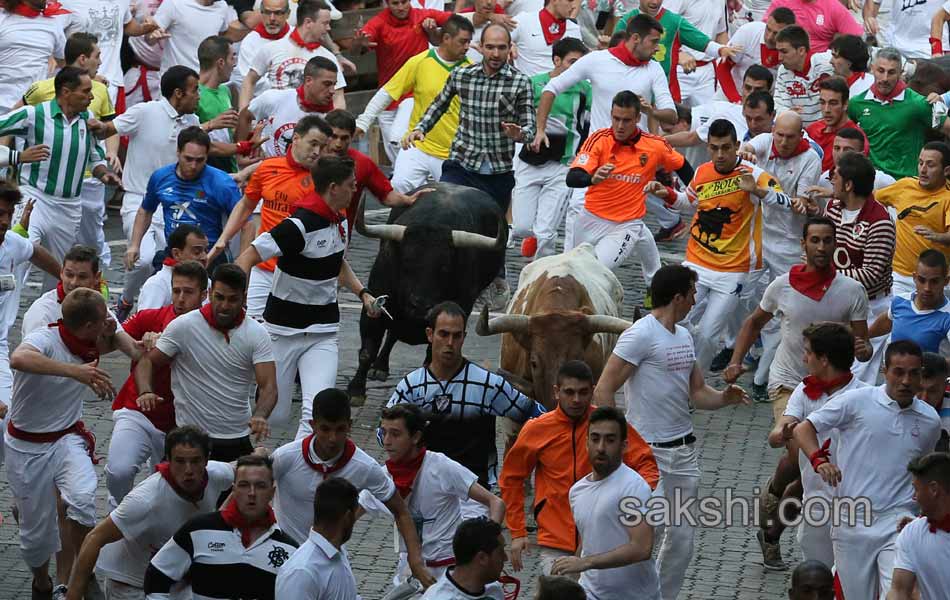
pixel 268 13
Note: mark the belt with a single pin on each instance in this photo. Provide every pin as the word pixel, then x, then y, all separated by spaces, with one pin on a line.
pixel 445 562
pixel 683 441
pixel 703 63
pixel 79 428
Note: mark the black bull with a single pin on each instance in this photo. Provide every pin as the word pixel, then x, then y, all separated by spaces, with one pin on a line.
pixel 448 246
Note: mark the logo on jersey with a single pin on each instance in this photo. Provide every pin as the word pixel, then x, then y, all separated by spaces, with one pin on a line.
pixel 277 556
pixel 644 159
pixel 721 187
pixel 583 159
pixel 708 226
pixel 216 546
pixel 289 74
pixel 442 402
pixel 912 209
pixel 283 136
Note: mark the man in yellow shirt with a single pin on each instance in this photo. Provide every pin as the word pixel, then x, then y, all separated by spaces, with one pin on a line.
pixel 922 207
pixel 424 75
pixel 82 51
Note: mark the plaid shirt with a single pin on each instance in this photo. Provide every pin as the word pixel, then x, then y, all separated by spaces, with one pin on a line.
pixel 486 102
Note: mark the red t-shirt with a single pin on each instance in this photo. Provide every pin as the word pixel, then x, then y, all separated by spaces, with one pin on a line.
pixel 368 176
pixel 144 321
pixel 397 40
pixel 825 138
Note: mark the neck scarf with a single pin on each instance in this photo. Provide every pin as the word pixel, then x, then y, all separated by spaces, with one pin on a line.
pixel 813 284
pixel 623 54
pixel 348 451
pixel 802 147
pixel 169 261
pixel 769 56
pixel 854 77
pixel 51 9
pixel 887 98
pixel 404 473
pixel 815 387
pixel 60 292
pixel 310 106
pixel 208 314
pixel 271 36
pixel 295 38
pixel 165 469
pixel 806 67
pixel 87 351
pixel 233 517
pixel 942 524
pixel 553 29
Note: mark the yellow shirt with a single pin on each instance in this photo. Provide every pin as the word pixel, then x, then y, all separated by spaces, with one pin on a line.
pixel 43 91
pixel 425 75
pixel 915 206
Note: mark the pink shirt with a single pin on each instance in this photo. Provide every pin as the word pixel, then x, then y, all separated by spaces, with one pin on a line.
pixel 822 19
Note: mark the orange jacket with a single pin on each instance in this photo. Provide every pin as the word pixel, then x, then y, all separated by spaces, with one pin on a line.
pixel 555 448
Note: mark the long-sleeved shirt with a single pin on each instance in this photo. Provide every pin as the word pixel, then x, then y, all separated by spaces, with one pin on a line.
pixel 486 101
pixel 864 245
pixel 799 89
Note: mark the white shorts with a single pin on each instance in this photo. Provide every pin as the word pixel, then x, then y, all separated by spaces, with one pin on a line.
pixel 54 224
pixel 614 242
pixel 413 168
pixel 698 87
pixel 313 356
pixel 135 441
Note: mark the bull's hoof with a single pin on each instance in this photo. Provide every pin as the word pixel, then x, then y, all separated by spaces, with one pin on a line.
pixel 378 374
pixel 357 400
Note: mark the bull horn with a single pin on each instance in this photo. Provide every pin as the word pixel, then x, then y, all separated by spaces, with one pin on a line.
pixel 467 239
pixel 607 324
pixel 502 324
pixel 392 233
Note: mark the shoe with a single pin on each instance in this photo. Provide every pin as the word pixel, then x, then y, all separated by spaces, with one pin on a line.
pixel 529 247
pixel 721 360
pixel 760 393
pixel 499 293
pixel 123 309
pixel 511 238
pixel 668 234
pixel 59 592
pixel 771 553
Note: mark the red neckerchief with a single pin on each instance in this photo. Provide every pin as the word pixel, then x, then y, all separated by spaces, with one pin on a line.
pixel 813 284
pixel 292 162
pixel 623 54
pixel 886 98
pixel 854 77
pixel 271 36
pixel 165 469
pixel 51 9
pixel 310 106
pixel 233 517
pixel 802 147
pixel 815 387
pixel 391 20
pixel 295 38
pixel 60 292
pixel 404 473
pixel 169 261
pixel 349 449
pixel 553 29
pixel 805 67
pixel 943 524
pixel 316 204
pixel 208 314
pixel 769 56
pixel 87 351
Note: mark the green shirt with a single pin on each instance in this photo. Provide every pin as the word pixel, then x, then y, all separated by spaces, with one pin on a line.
pixel 676 31
pixel 211 103
pixel 570 114
pixel 896 131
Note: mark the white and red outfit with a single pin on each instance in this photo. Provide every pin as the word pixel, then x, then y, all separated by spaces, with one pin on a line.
pixel 283 61
pixel 731 71
pixel 536 33
pixel 799 90
pixel 188 23
pixel 708 16
pixel 28 38
pixel 250 45
pixel 280 110
pixel 923 548
pixel 106 20
pixel 142 82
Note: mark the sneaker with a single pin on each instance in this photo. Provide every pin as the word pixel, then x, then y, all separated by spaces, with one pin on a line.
pixel 771 553
pixel 123 309
pixel 668 234
pixel 59 592
pixel 768 506
pixel 760 393
pixel 499 293
pixel 511 238
pixel 721 360
pixel 529 247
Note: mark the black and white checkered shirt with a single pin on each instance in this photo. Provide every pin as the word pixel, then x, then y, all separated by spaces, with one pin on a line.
pixel 487 101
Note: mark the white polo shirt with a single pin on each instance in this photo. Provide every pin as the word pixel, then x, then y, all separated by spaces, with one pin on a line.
pixel 534 54
pixel 105 20
pixel 908 27
pixel 297 482
pixel 157 289
pixel 26 45
pixel 188 23
pixel 212 378
pixel 868 420
pixel 153 129
pixel 149 516
pixel 280 110
pixel 283 61
pixel 926 555
pixel 249 48
pixel 317 570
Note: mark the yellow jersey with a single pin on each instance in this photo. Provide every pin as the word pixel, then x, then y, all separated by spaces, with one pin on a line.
pixel 43 91
pixel 915 206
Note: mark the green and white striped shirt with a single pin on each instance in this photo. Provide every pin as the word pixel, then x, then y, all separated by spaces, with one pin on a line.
pixel 72 147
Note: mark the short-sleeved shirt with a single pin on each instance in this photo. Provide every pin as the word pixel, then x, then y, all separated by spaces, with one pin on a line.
pixel 915 206
pixel 204 202
pixel 280 110
pixel 534 52
pixel 926 554
pixel 620 197
pixel 26 45
pixel 929 329
pixel 188 23
pixel 908 27
pixel 105 20
pixel 283 62
pixel 149 320
pixel 446 588
pixel 318 569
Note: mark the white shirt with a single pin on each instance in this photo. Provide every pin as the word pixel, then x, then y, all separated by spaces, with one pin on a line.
pixel 800 90
pixel 283 62
pixel 157 289
pixel 445 588
pixel 750 38
pixel 534 54
pixel 596 508
pixel 864 83
pixel 14 251
pixel 106 20
pixel 45 310
pixel 608 76
pixel 25 48
pixel 926 555
pixel 297 482
pixel 153 129
pixel 280 110
pixel 867 421
pixel 249 48
pixel 657 395
pixel 149 516
pixel 908 26
pixel 317 570
pixel 706 113
pixel 708 16
pixel 212 379
pixel 150 54
pixel 188 23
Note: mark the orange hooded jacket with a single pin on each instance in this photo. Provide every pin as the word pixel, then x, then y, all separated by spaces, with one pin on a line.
pixel 555 448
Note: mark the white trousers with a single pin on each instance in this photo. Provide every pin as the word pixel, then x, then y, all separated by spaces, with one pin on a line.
pixel 54 224
pixel 614 242
pixel 93 199
pixel 135 441
pixel 864 556
pixel 698 87
pixel 665 216
pixel 538 201
pixel 152 241
pixel 393 125
pixel 117 590
pixel 258 288
pixel 575 204
pixel 815 543
pixel 547 557
pixel 869 371
pixel 717 300
pixel 35 472
pixel 413 168
pixel 314 356
pixel 679 470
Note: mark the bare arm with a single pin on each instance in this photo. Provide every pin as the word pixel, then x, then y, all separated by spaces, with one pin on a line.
pixel 30 360
pixel 407 529
pixel 638 548
pixel 339 99
pixel 236 222
pixel 782 432
pixel 247 89
pixel 265 374
pixel 143 219
pixel 806 436
pixel 869 16
pixel 46 261
pixel 902 585
pixel 937 23
pixel 147 399
pixel 705 397
pixel 616 372
pixel 248 259
pixel 496 507
pixel 684 139
pixel 882 326
pixel 245 122
pixel 862 344
pixel 104 533
pixel 751 329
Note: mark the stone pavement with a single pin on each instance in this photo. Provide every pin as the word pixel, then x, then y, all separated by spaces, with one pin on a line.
pixel 731 443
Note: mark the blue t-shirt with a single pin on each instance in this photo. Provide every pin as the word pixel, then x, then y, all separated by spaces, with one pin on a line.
pixel 205 202
pixel 928 328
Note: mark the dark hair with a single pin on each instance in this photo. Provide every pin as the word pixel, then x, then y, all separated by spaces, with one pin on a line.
pixel 812 572
pixel 455 24
pixel 943 148
pixel 902 347
pixel 317 64
pixel 83 254
pixel 211 49
pixel 575 369
pixel 642 25
pixel 857 168
pixel 567 45
pixel 609 413
pixel 473 536
pixel 9 192
pixel 671 280
pixel 331 170
pixel 818 220
pixel 192 269
pixel 68 78
pixel 551 587
pixel 795 35
pixel 836 84
pixel 759 73
pixel 230 275
pixel 341 119
pixel 193 135
pixel 850 133
pixel 853 49
pixel 79 307
pixel 331 405
pixel 934 365
pixel 176 78
pixel 188 435
pixel 755 99
pixel 410 414
pixel 783 15
pixel 722 128
pixel 309 9
pixel 448 307
pixel 934 466
pixel 255 460
pixel 833 341
pixel 179 237
pixel 79 44
pixel 933 258
pixel 333 499
pixel 626 99
pixel 309 122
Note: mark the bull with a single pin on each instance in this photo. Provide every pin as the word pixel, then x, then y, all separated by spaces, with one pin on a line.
pixel 566 307
pixel 449 245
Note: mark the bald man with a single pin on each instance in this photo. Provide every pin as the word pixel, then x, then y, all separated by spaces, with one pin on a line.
pixel 812 580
